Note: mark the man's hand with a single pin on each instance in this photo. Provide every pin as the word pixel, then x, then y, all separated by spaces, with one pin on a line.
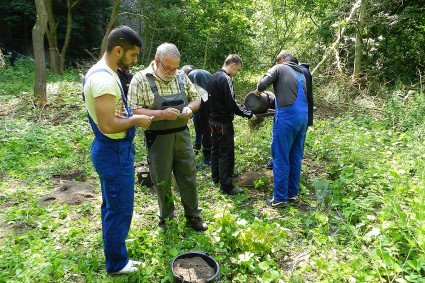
pixel 257 93
pixel 170 113
pixel 142 120
pixel 186 113
pixel 270 95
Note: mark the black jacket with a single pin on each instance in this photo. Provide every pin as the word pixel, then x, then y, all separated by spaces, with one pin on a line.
pixel 221 99
pixel 125 79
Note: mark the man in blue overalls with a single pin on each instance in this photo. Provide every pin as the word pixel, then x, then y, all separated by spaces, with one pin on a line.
pixel 289 128
pixel 112 151
pixel 167 94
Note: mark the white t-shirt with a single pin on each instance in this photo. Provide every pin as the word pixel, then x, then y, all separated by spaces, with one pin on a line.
pixel 101 83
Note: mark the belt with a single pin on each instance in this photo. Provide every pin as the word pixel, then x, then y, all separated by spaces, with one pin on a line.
pixel 166 132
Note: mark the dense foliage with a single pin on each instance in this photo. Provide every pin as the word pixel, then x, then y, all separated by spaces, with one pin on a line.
pixel 206 31
pixel 361 213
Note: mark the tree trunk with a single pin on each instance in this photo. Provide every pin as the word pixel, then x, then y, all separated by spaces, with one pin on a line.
pixel 52 38
pixel 359 41
pixel 2 60
pixel 206 53
pixel 337 57
pixel 334 46
pixel 112 22
pixel 71 8
pixel 150 50
pixel 38 32
pixel 51 34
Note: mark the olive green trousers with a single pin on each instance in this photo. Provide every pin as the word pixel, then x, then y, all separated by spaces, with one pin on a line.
pixel 173 154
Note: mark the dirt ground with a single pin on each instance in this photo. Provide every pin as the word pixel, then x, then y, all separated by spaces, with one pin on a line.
pixel 72 193
pixel 193 269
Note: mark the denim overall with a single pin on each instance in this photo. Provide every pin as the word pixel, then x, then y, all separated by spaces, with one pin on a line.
pixel 289 131
pixel 113 160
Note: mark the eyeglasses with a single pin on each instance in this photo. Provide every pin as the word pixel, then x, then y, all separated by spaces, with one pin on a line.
pixel 166 68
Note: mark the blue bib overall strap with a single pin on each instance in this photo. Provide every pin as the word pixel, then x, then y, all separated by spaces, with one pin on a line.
pixel 113 160
pixel 130 132
pixel 289 132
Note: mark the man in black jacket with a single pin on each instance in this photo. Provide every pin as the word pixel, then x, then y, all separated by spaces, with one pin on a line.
pixel 223 108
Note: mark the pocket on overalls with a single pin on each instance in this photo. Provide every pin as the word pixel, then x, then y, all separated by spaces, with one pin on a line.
pixel 125 153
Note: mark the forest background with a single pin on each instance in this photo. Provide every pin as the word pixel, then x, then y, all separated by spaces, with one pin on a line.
pixel 361 214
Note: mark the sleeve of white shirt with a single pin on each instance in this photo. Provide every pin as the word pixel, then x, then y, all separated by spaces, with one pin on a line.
pixel 100 85
pixel 202 93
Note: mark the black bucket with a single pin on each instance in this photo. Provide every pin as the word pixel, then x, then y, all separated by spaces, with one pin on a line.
pixel 257 104
pixel 208 259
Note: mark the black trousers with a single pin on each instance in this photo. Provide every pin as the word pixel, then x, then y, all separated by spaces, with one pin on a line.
pixel 202 130
pixel 223 154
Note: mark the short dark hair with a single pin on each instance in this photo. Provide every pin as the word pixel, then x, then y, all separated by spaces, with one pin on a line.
pixel 187 69
pixel 285 56
pixel 233 58
pixel 124 37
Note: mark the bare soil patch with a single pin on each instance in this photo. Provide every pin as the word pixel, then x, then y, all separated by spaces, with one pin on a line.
pixel 249 178
pixel 70 176
pixel 4 229
pixel 72 193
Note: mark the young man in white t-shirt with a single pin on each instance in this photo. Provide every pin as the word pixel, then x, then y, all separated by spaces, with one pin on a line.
pixel 112 150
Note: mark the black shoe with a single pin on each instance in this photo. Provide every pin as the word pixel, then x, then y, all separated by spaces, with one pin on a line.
pixel 269 165
pixel 234 191
pixel 162 225
pixel 292 199
pixel 276 203
pixel 197 224
pixel 197 148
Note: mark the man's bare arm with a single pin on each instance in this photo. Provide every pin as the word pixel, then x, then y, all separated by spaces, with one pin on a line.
pixel 166 114
pixel 109 123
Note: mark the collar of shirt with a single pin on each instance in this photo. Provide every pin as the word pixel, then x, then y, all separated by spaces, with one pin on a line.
pixel 149 69
pixel 224 71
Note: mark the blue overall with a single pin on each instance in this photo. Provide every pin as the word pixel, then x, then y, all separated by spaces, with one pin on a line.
pixel 289 131
pixel 113 160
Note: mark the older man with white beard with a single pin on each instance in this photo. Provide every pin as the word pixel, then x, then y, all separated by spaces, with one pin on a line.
pixel 167 94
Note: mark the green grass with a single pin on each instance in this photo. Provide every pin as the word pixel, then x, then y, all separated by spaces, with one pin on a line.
pixel 360 217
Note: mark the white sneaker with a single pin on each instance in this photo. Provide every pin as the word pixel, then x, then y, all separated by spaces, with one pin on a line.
pixel 128 268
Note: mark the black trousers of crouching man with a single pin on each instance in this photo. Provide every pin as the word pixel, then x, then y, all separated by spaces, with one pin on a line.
pixel 222 154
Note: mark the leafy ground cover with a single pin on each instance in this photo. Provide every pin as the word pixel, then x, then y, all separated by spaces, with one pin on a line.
pixel 360 217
